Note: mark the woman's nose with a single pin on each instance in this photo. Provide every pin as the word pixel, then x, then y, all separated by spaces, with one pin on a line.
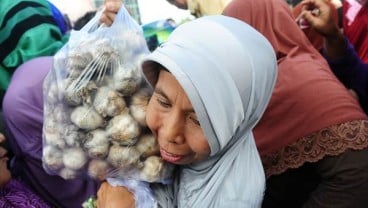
pixel 173 128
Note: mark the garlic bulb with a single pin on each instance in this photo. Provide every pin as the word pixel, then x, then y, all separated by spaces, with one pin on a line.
pixel 102 47
pixel 138 105
pixel 74 158
pixel 51 134
pixel 152 169
pixel 52 93
pixel 108 102
pixel 123 129
pixel 60 113
pixel 126 79
pixel 87 118
pixel 123 157
pixel 52 157
pixel 77 62
pixel 97 143
pixel 147 145
pixel 74 96
pixel 72 135
pixel 99 169
pixel 67 173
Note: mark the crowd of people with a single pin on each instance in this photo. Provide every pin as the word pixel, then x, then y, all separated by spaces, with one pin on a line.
pixel 257 104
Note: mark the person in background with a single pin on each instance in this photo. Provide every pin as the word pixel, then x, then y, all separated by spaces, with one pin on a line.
pixel 355 26
pixel 313 136
pixel 199 8
pixel 13 192
pixel 338 51
pixel 203 109
pixel 353 21
pixel 23 121
pixel 80 22
pixel 61 19
pixel 314 37
pixel 28 29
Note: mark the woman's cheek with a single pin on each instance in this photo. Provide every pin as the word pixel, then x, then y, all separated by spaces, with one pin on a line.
pixel 151 117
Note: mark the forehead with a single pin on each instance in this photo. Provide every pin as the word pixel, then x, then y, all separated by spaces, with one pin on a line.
pixel 172 90
pixel 166 78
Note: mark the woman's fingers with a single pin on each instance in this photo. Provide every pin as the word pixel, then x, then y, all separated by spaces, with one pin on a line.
pixel 111 9
pixel 3 152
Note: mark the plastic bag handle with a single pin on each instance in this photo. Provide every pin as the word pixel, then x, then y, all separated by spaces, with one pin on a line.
pixel 93 24
pixel 124 18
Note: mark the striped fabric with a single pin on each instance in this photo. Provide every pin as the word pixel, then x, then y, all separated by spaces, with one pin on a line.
pixel 28 30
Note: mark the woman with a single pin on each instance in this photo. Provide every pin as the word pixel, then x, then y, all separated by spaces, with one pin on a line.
pixel 13 192
pixel 203 109
pixel 313 136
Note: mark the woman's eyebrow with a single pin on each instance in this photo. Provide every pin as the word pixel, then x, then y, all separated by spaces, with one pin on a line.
pixel 159 91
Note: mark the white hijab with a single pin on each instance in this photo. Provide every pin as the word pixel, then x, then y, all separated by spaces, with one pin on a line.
pixel 228 71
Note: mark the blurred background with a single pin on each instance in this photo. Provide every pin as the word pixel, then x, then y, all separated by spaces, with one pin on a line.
pixel 157 17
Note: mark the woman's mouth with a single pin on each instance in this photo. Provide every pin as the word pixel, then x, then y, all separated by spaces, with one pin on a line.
pixel 169 157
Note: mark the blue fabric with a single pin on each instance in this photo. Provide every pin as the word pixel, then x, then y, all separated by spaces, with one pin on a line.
pixel 59 18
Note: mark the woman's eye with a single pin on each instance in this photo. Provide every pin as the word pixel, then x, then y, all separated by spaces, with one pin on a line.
pixel 194 120
pixel 163 103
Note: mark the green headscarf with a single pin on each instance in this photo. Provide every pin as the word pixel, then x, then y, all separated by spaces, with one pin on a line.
pixel 28 30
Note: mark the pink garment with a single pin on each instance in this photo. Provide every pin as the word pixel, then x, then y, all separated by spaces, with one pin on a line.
pixel 307 96
pixel 355 24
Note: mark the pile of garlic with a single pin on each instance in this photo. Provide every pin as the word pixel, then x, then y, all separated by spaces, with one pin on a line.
pixel 95 103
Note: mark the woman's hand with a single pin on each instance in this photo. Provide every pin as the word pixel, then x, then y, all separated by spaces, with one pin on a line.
pixel 114 197
pixel 111 9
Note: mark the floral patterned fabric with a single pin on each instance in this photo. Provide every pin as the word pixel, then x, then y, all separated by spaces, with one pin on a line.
pixel 330 141
pixel 16 195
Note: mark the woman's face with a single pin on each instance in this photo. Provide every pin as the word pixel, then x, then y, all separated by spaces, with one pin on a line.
pixel 171 118
pixel 5 174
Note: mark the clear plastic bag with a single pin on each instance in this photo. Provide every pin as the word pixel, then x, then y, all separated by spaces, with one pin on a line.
pixel 94 107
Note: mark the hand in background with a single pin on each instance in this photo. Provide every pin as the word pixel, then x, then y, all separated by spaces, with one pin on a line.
pixel 114 197
pixel 318 14
pixel 111 9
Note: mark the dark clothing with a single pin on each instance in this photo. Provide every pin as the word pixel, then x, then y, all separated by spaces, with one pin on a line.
pixel 353 73
pixel 345 184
